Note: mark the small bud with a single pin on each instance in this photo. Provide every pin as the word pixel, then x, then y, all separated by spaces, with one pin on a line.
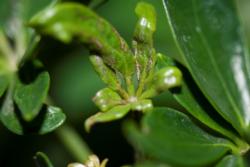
pixel 166 78
pixel 93 161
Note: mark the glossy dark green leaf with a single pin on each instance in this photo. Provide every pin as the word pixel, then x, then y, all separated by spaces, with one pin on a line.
pixel 30 98
pixel 232 161
pixel 106 98
pixel 171 137
pixel 115 113
pixel 42 160
pixel 85 26
pixel 104 72
pixel 53 118
pixel 209 37
pixel 188 100
pixel 7 113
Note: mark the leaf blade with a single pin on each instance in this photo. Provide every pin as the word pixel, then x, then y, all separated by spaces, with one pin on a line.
pixel 54 118
pixel 189 101
pixel 209 39
pixel 182 142
pixel 231 161
pixel 114 113
pixel 30 98
pixel 83 25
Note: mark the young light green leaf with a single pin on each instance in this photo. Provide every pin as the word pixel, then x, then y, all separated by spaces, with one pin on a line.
pixel 171 137
pixel 115 113
pixel 54 117
pixel 30 98
pixel 106 98
pixel 42 160
pixel 146 24
pixel 232 161
pixel 83 25
pixel 209 37
pixel 164 76
pixel 105 73
pixel 142 105
pixel 143 37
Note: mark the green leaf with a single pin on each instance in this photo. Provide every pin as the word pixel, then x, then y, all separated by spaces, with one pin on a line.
pixel 53 118
pixel 189 101
pixel 42 160
pixel 167 78
pixel 115 113
pixel 7 114
pixel 30 98
pixel 104 72
pixel 49 117
pixel 171 137
pixel 232 161
pixel 209 37
pixel 106 98
pixel 143 37
pixel 82 24
pixel 142 105
pixel 164 79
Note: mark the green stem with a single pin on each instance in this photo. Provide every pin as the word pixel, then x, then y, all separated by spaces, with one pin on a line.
pixel 122 92
pixel 130 86
pixel 74 143
pixel 141 83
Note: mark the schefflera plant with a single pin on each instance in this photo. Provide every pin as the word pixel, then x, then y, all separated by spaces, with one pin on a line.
pixel 24 82
pixel 132 76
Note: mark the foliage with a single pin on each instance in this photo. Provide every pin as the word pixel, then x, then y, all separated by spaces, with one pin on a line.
pixel 210 80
